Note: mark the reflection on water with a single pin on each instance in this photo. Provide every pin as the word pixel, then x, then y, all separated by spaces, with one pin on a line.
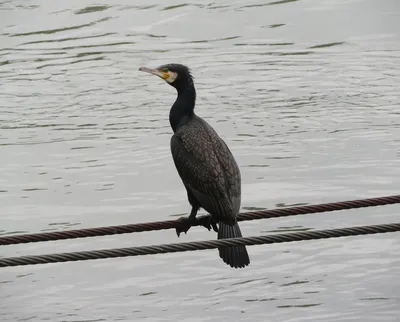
pixel 304 92
pixel 287 229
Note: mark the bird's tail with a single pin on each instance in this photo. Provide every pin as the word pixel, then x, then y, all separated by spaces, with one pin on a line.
pixel 235 256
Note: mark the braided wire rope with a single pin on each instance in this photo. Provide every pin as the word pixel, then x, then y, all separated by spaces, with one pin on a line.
pixel 202 220
pixel 199 245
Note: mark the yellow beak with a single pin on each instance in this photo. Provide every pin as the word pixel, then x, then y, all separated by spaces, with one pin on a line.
pixel 155 71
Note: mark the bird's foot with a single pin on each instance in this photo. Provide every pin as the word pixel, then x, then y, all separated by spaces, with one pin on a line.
pixel 211 223
pixel 187 222
pixel 185 226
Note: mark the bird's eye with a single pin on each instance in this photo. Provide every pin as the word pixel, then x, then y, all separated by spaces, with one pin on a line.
pixel 165 70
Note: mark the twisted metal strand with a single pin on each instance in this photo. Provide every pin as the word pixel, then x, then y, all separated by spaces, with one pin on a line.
pixel 200 221
pixel 201 245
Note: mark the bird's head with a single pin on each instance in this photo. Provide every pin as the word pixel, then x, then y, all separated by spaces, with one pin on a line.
pixel 174 74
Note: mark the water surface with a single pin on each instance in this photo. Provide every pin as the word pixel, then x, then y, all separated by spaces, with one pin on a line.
pixel 305 93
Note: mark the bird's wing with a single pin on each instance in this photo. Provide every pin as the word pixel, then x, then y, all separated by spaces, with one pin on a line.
pixel 207 167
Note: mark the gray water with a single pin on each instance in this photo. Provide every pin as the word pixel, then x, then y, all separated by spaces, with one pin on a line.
pixel 305 93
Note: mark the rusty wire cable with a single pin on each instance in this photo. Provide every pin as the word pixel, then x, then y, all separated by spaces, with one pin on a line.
pixel 202 220
pixel 201 245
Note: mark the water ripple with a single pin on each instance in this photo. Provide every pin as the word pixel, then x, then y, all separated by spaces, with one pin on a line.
pixel 310 113
pixel 53 31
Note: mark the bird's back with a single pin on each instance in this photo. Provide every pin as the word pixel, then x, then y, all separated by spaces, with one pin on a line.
pixel 207 167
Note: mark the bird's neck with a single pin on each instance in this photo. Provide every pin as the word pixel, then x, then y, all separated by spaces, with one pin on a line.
pixel 183 108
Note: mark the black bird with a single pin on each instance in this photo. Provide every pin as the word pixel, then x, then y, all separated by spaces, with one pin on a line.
pixel 204 162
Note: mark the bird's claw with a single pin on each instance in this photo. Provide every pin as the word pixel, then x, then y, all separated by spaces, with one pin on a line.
pixel 214 226
pixel 187 223
pixel 211 223
pixel 184 227
pixel 207 225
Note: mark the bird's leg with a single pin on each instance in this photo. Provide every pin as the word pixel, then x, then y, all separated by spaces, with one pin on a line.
pixel 187 221
pixel 210 223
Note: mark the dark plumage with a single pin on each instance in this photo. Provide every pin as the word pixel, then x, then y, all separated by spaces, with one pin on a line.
pixel 204 162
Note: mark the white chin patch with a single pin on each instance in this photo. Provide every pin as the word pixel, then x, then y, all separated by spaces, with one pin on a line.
pixel 171 78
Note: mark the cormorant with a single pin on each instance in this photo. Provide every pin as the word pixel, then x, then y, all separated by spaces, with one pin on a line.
pixel 204 162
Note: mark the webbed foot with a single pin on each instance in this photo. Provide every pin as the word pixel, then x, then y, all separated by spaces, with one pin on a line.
pixel 186 224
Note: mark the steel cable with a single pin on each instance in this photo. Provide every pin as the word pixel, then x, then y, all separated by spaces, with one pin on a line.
pixel 200 245
pixel 202 220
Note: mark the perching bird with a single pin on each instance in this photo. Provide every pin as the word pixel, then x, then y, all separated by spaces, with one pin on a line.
pixel 204 162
